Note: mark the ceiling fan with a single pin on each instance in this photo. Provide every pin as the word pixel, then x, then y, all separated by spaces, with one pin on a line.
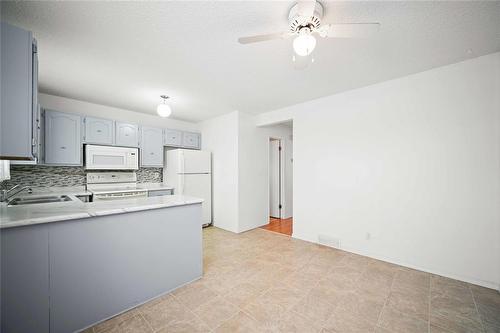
pixel 305 22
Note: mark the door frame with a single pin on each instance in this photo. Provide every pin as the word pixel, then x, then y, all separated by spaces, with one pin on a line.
pixel 281 181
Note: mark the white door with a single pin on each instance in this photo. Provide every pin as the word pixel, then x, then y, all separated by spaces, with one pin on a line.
pixel 98 130
pixel 127 135
pixel 194 161
pixel 274 179
pixel 200 186
pixel 63 144
pixel 152 146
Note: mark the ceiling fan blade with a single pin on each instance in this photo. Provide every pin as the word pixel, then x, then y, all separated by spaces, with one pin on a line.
pixel 349 30
pixel 263 38
pixel 305 8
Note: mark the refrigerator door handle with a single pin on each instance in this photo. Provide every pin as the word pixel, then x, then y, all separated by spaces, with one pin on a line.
pixel 181 183
pixel 183 162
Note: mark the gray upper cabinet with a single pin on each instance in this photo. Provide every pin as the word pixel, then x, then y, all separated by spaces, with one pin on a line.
pixel 127 135
pixel 173 138
pixel 63 142
pixel 99 131
pixel 19 82
pixel 191 140
pixel 152 146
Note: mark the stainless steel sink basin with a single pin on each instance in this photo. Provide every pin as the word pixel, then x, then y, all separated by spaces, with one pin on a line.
pixel 38 200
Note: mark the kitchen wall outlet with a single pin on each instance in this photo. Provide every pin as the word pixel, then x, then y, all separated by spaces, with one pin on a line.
pixel 329 241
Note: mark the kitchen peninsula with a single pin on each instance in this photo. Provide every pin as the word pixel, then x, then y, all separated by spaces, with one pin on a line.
pixel 66 266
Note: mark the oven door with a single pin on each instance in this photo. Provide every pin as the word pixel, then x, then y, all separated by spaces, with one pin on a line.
pixel 111 158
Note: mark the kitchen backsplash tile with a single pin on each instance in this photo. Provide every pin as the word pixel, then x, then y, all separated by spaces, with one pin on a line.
pixel 43 176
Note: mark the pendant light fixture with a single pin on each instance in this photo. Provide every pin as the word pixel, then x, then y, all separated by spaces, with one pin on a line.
pixel 163 109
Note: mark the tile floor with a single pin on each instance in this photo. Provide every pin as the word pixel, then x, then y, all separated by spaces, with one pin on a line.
pixel 282 226
pixel 261 281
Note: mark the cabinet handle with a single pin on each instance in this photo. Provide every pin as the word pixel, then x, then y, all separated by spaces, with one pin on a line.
pixel 151 153
pixel 99 131
pixel 63 147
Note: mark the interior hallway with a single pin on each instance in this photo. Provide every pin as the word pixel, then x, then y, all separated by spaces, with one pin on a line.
pixel 282 226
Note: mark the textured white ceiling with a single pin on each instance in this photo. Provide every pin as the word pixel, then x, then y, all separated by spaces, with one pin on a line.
pixel 125 54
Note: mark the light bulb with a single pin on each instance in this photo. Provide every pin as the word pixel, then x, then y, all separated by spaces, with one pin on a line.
pixel 163 110
pixel 304 43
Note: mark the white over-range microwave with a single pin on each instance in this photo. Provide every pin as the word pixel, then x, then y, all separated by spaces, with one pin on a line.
pixel 111 158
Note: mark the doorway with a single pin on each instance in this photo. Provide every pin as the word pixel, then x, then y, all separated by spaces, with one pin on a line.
pixel 280 187
pixel 275 178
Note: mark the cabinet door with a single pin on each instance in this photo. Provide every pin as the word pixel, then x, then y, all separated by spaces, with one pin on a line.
pixel 25 279
pixel 17 83
pixel 173 138
pixel 63 142
pixel 98 131
pixel 127 135
pixel 152 146
pixel 191 140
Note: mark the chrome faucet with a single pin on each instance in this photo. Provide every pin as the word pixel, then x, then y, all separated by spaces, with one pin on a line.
pixel 6 194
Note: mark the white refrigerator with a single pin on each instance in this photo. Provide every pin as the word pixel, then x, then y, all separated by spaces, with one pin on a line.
pixel 190 173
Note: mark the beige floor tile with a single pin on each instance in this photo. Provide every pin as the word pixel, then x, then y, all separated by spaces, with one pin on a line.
pixel 412 281
pixel 413 304
pixel 379 329
pixel 373 288
pixel 282 296
pixel 240 323
pixel 315 306
pixel 396 322
pixel 342 278
pixel 345 320
pixel 455 324
pixel 491 329
pixel 437 329
pixel 113 322
pixel 290 322
pixel 486 296
pixel 194 294
pixel 164 313
pixel 216 311
pixel 301 281
pixel 192 325
pixel 360 306
pixel 265 313
pixel 453 307
pixel 242 294
pixel 449 287
pixel 490 315
pixel 135 324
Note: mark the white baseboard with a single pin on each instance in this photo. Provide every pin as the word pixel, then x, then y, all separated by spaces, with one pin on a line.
pixel 488 284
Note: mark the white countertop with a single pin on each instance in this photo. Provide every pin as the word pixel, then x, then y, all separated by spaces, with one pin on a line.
pixel 23 215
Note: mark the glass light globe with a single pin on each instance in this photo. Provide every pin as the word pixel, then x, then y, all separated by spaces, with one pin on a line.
pixel 163 110
pixel 304 43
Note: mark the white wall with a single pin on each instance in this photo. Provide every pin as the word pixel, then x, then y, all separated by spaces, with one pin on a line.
pixel 240 158
pixel 254 171
pixel 220 136
pixel 96 110
pixel 414 162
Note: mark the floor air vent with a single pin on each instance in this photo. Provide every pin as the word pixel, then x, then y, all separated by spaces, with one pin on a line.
pixel 329 241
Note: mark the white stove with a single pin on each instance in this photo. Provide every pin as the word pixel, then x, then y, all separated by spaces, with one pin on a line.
pixel 114 185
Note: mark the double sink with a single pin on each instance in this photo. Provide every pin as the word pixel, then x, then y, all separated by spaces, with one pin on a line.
pixel 38 200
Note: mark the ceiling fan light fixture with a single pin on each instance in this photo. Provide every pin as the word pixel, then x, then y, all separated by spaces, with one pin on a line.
pixel 163 109
pixel 304 43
